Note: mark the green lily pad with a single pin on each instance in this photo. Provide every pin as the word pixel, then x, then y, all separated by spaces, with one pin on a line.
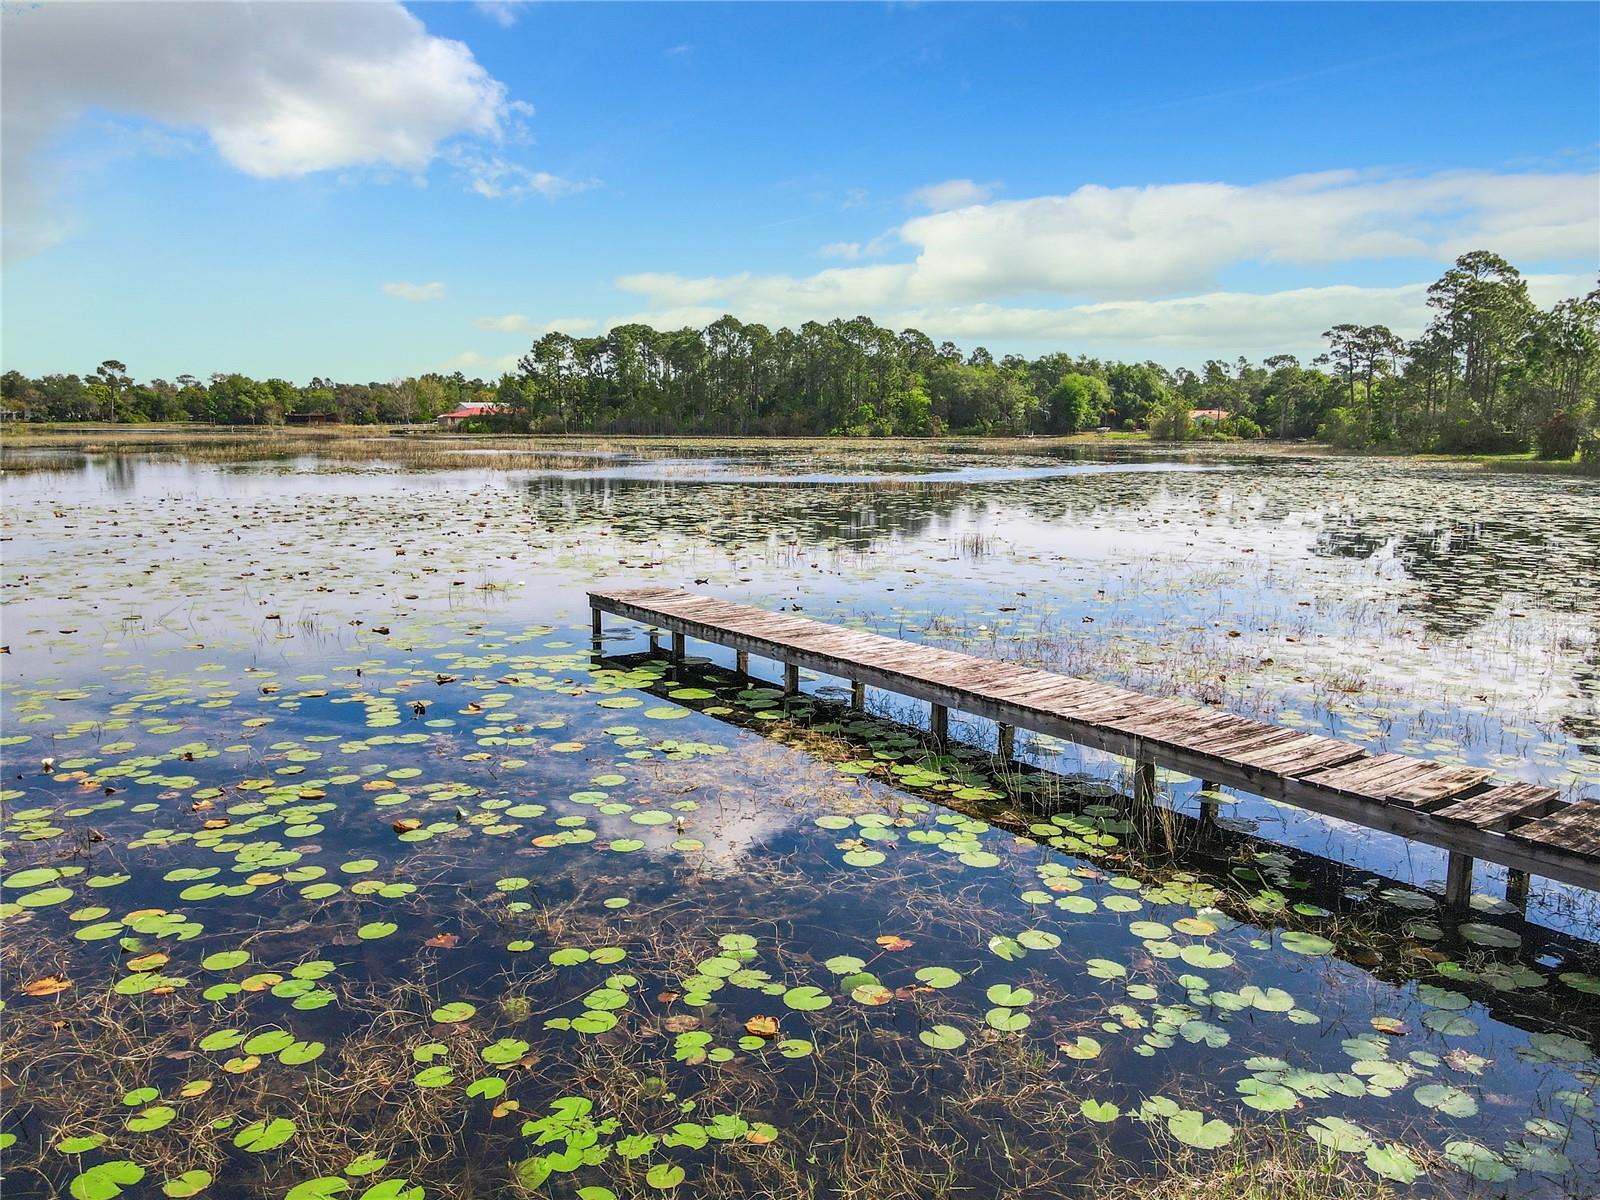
pixel 267 1134
pixel 105 1181
pixel 1301 942
pixel 806 998
pixel 942 1037
pixel 190 1183
pixel 1193 1129
pixel 1451 1101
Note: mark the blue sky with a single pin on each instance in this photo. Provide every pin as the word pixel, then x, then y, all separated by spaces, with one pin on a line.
pixel 367 191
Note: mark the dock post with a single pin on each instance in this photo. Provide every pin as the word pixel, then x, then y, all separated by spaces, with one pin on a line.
pixel 595 627
pixel 858 694
pixel 655 640
pixel 1517 889
pixel 741 661
pixel 1144 782
pixel 939 724
pixel 1458 879
pixel 1208 806
pixel 679 646
pixel 791 679
pixel 1006 748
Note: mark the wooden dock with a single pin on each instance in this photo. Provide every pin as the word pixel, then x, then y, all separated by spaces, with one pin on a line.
pixel 1526 828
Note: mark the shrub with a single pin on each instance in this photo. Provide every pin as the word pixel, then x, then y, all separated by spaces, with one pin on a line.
pixel 1557 438
pixel 1345 428
pixel 1473 436
pixel 1241 427
pixel 1171 421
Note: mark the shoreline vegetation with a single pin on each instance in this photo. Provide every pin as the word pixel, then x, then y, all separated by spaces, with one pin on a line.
pixel 1492 375
pixel 28 447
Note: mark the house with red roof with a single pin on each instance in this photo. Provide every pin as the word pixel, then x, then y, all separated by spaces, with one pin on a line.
pixel 465 412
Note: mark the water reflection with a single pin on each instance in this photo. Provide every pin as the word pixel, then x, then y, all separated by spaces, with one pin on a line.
pixel 340 718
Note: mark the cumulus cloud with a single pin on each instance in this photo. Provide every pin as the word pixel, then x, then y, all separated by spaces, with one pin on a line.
pixel 417 293
pixel 1170 238
pixel 1098 245
pixel 1174 329
pixel 952 193
pixel 517 323
pixel 1253 323
pixel 281 90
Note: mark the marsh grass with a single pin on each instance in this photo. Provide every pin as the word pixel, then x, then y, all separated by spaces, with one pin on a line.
pixel 1265 1162
pixel 342 445
pixel 424 447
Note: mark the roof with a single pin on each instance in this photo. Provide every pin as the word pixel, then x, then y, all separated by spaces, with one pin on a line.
pixel 1209 414
pixel 469 410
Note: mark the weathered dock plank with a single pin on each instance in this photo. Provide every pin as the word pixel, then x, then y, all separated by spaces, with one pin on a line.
pixel 1575 829
pixel 1502 806
pixel 1520 826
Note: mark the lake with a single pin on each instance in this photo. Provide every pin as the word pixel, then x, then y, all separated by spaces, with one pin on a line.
pixel 336 862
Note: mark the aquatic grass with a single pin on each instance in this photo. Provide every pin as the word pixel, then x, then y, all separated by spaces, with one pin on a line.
pixel 375 709
pixel 1266 1162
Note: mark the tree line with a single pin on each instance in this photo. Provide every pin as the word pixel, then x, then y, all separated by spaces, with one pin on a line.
pixel 1491 372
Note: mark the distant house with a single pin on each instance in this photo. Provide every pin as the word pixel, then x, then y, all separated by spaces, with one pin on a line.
pixel 1214 415
pixel 311 418
pixel 466 412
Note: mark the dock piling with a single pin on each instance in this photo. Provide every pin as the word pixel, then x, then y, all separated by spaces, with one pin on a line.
pixel 1144 782
pixel 1006 745
pixel 1517 888
pixel 1458 879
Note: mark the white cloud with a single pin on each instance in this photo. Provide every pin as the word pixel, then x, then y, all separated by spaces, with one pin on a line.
pixel 1102 244
pixel 417 293
pixel 281 90
pixel 845 250
pixel 1246 322
pixel 852 251
pixel 1172 330
pixel 952 193
pixel 471 362
pixel 826 294
pixel 495 178
pixel 677 51
pixel 1221 322
pixel 517 323
pixel 503 13
pixel 1165 239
